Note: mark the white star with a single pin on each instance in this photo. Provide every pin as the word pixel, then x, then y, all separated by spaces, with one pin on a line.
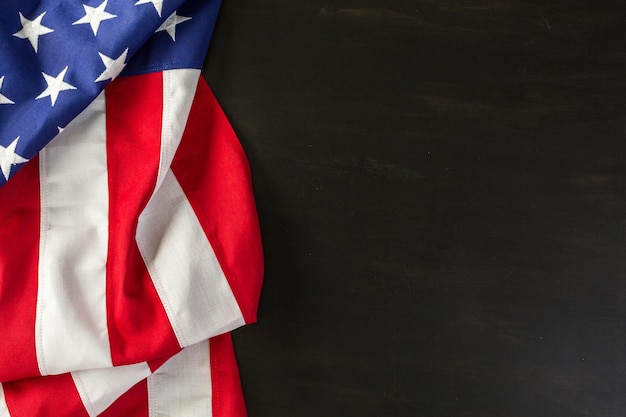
pixel 170 24
pixel 94 16
pixel 32 30
pixel 158 4
pixel 4 99
pixel 55 86
pixel 113 66
pixel 8 158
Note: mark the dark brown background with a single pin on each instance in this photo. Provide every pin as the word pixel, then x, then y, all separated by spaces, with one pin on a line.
pixel 441 188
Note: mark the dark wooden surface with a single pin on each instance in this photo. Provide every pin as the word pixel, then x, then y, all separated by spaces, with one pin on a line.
pixel 442 192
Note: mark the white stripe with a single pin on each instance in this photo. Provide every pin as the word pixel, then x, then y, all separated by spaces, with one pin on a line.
pixel 4 410
pixel 182 386
pixel 179 88
pixel 71 328
pixel 99 388
pixel 191 285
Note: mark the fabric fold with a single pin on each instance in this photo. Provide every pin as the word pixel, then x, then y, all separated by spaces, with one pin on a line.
pixel 130 243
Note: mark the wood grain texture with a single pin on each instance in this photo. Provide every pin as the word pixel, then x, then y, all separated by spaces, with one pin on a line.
pixel 442 192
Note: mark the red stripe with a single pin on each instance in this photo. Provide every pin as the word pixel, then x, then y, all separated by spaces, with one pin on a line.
pixel 19 261
pixel 138 325
pixel 157 363
pixel 134 403
pixel 45 396
pixel 213 171
pixel 227 395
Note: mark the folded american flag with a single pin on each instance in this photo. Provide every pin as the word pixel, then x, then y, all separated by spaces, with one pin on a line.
pixel 129 240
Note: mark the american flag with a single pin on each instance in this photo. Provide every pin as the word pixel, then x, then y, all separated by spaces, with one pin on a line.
pixel 129 240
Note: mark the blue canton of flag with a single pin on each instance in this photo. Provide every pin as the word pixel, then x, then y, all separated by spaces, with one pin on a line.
pixel 57 56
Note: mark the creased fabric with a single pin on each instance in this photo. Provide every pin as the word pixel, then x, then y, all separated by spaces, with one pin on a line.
pixel 129 241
